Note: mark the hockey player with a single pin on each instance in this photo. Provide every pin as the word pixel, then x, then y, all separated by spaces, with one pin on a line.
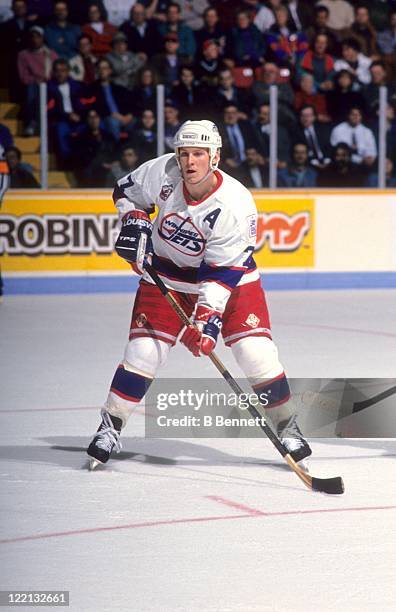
pixel 201 245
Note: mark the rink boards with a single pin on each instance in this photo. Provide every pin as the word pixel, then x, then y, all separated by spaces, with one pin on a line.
pixel 329 239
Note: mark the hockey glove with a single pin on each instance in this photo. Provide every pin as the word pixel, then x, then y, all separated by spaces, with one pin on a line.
pixel 134 241
pixel 201 337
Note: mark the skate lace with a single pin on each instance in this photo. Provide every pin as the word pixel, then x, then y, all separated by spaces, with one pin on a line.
pixel 107 437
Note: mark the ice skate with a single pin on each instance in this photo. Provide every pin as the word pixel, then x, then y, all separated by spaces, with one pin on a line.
pixel 105 440
pixel 292 438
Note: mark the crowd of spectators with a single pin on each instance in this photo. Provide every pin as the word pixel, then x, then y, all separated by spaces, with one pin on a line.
pixel 217 59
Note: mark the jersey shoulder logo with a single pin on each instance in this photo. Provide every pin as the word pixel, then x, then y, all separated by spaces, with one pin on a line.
pixel 166 190
pixel 182 235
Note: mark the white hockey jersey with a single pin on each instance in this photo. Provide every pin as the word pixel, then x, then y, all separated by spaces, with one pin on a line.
pixel 203 246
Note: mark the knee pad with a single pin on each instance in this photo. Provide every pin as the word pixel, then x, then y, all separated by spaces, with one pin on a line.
pixel 145 355
pixel 258 358
pixel 134 375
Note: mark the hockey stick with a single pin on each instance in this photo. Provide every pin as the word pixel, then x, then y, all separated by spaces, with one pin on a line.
pixel 325 485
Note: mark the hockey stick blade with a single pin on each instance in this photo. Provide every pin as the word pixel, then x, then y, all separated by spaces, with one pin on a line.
pixel 332 486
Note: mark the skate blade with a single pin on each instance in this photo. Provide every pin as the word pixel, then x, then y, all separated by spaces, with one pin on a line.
pixel 304 465
pixel 93 463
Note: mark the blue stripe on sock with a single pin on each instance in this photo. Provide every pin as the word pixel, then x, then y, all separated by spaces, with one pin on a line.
pixel 129 384
pixel 274 391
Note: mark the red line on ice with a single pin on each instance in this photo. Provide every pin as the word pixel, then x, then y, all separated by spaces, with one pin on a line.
pixel 57 534
pixel 255 512
pixel 252 513
pixel 370 332
pixel 236 505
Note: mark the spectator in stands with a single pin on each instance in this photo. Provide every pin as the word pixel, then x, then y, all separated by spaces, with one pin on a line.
pixel 60 35
pixel 142 33
pixel 390 131
pixel 387 39
pixel 354 61
pixel 144 137
pixel 6 139
pixel 101 32
pixel 34 67
pixel 226 93
pixel 344 96
pixel 113 103
pixel 358 137
pixel 167 64
pixel 315 135
pixel 226 10
pixel 40 11
pixel 363 30
pixel 191 13
pixel 286 46
pixel 320 26
pixel 342 173
pixel 211 30
pixel 117 11
pixel 83 65
pixel 371 91
pixel 188 95
pixel 237 135
pixel 379 13
pixel 301 13
pixel 5 11
pixel 262 129
pixel 261 93
pixel 387 44
pixel 21 175
pixel 264 16
pixel 124 63
pixel 13 38
pixel 245 44
pixel 209 64
pixel 128 162
pixel 390 176
pixel 187 46
pixel 94 151
pixel 145 93
pixel 172 124
pixel 319 63
pixel 253 172
pixel 298 173
pixel 341 15
pixel 306 95
pixel 14 31
pixel 67 104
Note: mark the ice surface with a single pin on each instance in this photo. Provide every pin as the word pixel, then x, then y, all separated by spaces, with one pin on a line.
pixel 208 525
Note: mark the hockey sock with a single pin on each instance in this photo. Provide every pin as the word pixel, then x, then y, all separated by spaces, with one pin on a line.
pixel 126 391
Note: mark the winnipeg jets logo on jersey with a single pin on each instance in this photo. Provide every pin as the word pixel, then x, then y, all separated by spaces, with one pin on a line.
pixel 165 192
pixel 181 234
pixel 197 243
